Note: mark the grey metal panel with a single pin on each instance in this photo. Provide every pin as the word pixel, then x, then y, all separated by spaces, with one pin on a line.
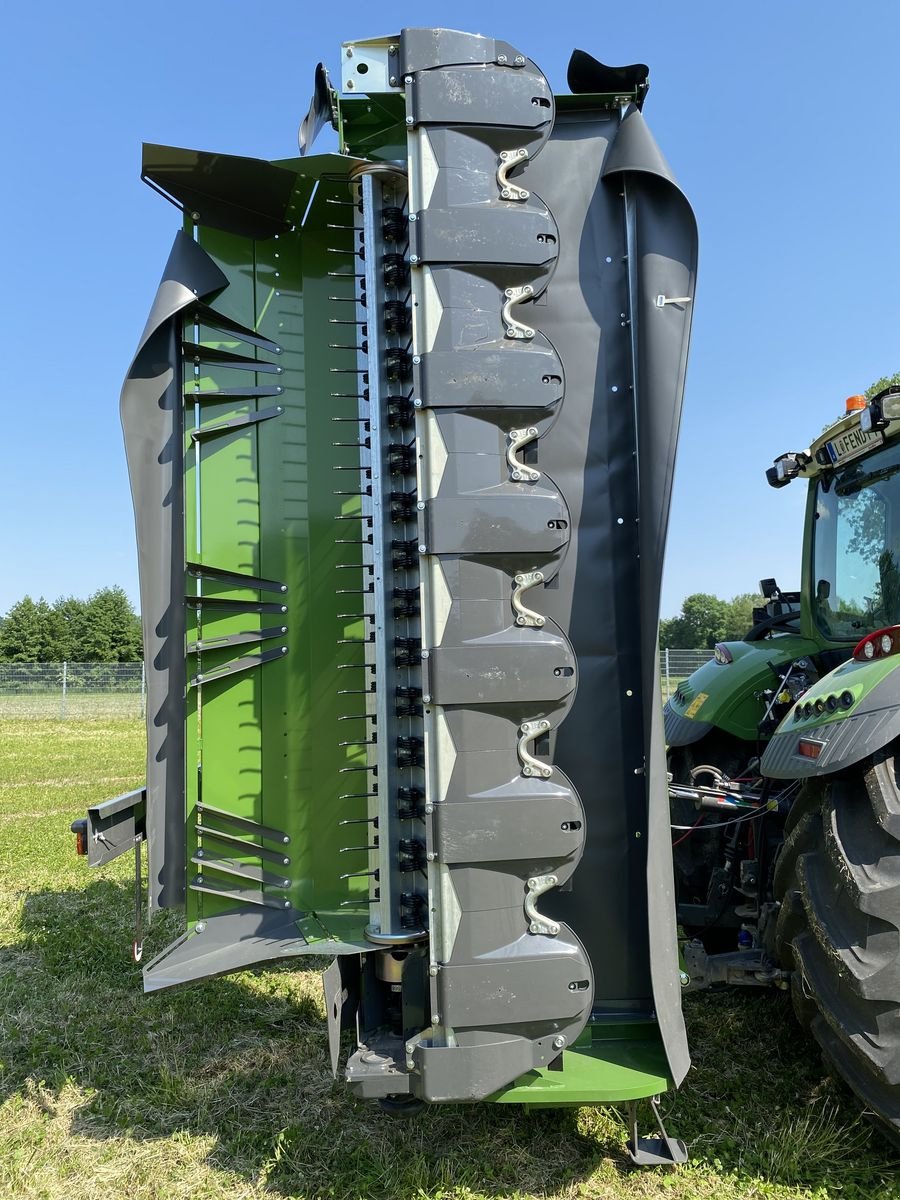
pixel 510 666
pixel 113 825
pixel 844 742
pixel 493 375
pixel 525 983
pixel 483 233
pixel 496 522
pixel 682 731
pixel 233 941
pixel 546 821
pixel 474 96
pixel 421 48
pixel 476 1071
pixel 152 422
pixel 246 196
pixel 601 316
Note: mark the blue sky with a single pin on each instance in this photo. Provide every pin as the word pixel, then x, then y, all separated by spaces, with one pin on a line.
pixel 779 118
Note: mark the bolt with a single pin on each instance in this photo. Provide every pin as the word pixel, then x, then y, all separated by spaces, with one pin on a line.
pixel 433 970
pixel 393 81
pixel 684 977
pixel 199 853
pixel 417 403
pixel 519 60
pixel 435 1018
pixel 422 548
pixel 413 217
pixel 409 120
pixel 417 358
pixel 559 1042
pixel 349 51
pixel 285 883
pixel 431 856
pixel 407 78
pixel 534 927
pixel 501 58
pixel 199 927
pixel 427 700
pixel 429 808
pixel 195 216
pixel 421 506
pixel 414 258
pixel 425 653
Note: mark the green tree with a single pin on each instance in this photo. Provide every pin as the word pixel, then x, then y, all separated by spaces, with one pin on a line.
pixel 880 384
pixel 32 632
pixel 700 624
pixel 109 630
pixel 70 612
pixel 739 617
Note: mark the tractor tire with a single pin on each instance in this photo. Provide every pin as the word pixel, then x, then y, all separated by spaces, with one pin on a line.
pixel 838 931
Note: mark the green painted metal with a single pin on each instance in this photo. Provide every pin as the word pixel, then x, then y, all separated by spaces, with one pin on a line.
pixel 260 501
pixel 610 1062
pixel 725 695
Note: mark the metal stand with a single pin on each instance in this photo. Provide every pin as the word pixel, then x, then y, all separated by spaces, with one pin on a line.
pixel 654 1151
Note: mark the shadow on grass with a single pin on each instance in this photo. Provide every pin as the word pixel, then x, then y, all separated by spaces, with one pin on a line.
pixel 244 1059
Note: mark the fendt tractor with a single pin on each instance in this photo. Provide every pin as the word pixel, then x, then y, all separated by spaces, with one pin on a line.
pixel 785 790
pixel 400 433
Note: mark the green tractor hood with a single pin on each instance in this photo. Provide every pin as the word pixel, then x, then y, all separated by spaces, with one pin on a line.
pixel 728 695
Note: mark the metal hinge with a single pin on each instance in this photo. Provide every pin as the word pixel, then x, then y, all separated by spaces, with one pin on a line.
pixel 508 160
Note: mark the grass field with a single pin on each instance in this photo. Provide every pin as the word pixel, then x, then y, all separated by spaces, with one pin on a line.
pixel 223 1090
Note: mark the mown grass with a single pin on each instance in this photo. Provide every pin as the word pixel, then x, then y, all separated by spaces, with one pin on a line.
pixel 223 1090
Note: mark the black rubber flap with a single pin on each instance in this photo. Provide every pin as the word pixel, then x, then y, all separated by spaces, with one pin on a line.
pixel 587 74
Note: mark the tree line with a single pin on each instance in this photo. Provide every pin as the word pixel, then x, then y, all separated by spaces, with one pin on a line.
pixel 705 619
pixel 102 628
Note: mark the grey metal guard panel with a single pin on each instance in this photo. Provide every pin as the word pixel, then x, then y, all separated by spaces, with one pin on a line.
pixel 501 669
pixel 492 375
pixel 496 522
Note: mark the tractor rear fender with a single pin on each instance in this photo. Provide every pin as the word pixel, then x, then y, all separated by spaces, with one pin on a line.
pixel 726 695
pixel 860 713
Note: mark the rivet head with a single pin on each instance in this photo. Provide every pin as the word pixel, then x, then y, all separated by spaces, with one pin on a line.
pixel 432 970
pixel 414 258
pixel 422 548
pixel 409 120
pixel 417 358
pixel 199 927
pixel 417 403
pixel 684 977
pixel 421 506
pixel 426 653
pixel 559 1042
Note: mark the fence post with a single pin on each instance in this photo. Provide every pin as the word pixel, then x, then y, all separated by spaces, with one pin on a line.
pixel 143 690
pixel 668 685
pixel 65 683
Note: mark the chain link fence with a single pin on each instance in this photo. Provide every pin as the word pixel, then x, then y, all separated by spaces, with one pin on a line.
pixel 85 691
pixel 72 691
pixel 675 665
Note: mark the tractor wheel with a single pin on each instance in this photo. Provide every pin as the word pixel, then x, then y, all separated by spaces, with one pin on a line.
pixel 838 931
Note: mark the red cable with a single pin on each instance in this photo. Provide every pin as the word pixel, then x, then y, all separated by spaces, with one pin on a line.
pixel 678 841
